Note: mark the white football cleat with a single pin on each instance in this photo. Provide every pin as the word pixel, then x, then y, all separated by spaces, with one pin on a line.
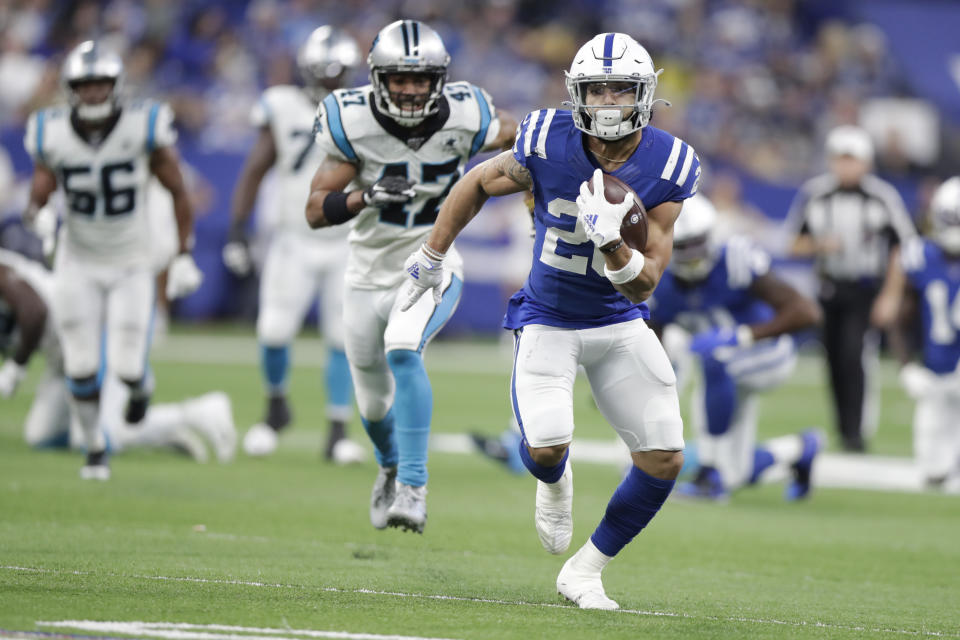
pixel 347 451
pixel 409 508
pixel 384 490
pixel 96 467
pixel 211 415
pixel 260 440
pixel 581 584
pixel 554 512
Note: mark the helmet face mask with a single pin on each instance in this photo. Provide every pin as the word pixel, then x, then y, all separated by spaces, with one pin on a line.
pixel 88 65
pixel 405 55
pixel 616 61
pixel 325 59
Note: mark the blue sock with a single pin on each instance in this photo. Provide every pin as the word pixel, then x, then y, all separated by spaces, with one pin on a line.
pixel 339 383
pixel 413 403
pixel 540 472
pixel 633 505
pixel 762 459
pixel 720 395
pixel 384 440
pixel 275 362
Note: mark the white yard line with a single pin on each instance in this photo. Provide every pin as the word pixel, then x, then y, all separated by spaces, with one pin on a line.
pixel 188 631
pixel 517 603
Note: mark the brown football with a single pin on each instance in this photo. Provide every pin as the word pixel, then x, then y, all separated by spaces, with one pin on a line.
pixel 634 227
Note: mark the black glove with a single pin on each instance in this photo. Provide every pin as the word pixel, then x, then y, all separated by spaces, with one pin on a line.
pixel 389 190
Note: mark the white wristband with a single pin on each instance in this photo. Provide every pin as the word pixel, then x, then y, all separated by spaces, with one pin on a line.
pixel 744 335
pixel 629 271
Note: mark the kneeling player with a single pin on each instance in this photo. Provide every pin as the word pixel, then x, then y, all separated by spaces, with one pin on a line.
pixel 928 274
pixel 740 317
pixel 26 327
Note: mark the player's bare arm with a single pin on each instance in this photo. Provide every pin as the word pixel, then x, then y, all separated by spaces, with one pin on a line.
pixel 498 176
pixel 42 185
pixel 331 176
pixel 507 134
pixel 794 311
pixel 29 309
pixel 262 156
pixel 165 165
pixel 656 255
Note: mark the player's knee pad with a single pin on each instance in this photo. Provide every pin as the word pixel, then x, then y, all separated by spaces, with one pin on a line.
pixel 85 388
pixel 404 362
pixel 276 327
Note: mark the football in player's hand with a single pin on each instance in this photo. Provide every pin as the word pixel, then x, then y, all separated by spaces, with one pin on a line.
pixel 634 227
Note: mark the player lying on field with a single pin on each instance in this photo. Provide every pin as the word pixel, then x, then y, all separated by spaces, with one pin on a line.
pixel 26 327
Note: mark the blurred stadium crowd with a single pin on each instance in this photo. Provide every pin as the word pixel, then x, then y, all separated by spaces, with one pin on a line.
pixel 754 84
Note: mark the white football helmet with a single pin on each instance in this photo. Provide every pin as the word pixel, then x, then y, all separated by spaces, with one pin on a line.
pixel 89 62
pixel 407 46
pixel 694 250
pixel 326 57
pixel 612 57
pixel 945 215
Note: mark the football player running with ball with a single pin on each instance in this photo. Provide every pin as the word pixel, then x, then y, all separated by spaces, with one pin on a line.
pixel 582 303
pixel 102 151
pixel 300 261
pixel 393 149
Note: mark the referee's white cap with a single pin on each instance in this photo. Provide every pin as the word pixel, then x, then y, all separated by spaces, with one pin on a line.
pixel 850 140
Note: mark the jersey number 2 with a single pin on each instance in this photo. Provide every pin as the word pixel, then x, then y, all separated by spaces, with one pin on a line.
pixel 550 254
pixel 944 315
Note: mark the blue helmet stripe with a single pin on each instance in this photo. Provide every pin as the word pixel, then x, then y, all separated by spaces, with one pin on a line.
pixel 481 135
pixel 332 108
pixel 608 47
pixel 416 37
pixel 152 126
pixel 406 38
pixel 40 118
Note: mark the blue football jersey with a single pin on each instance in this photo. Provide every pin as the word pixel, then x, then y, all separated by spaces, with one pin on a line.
pixel 566 286
pixel 722 299
pixel 936 278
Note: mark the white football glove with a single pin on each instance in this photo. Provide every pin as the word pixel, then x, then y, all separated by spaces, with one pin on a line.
pixel 183 276
pixel 11 374
pixel 424 269
pixel 600 219
pixel 916 380
pixel 236 257
pixel 44 225
pixel 389 190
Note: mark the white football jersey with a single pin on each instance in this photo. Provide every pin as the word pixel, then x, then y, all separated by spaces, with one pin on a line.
pixel 289 113
pixel 105 184
pixel 350 129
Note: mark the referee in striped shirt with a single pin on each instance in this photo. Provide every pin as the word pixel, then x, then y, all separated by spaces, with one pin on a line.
pixel 851 222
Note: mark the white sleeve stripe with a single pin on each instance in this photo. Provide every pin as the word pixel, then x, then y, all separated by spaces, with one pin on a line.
pixel 528 136
pixel 687 163
pixel 541 148
pixel 672 160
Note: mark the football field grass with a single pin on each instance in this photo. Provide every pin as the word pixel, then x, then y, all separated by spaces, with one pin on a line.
pixel 283 548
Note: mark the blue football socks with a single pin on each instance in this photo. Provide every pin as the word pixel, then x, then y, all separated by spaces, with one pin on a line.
pixel 384 439
pixel 339 383
pixel 413 407
pixel 633 505
pixel 549 475
pixel 275 362
pixel 762 460
pixel 720 394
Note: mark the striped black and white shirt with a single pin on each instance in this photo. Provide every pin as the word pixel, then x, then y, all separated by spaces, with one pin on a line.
pixel 868 220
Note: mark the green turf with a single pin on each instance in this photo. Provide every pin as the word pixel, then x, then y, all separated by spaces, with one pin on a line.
pixel 170 540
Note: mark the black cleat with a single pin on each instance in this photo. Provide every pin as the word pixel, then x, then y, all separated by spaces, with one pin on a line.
pixel 278 412
pixel 137 407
